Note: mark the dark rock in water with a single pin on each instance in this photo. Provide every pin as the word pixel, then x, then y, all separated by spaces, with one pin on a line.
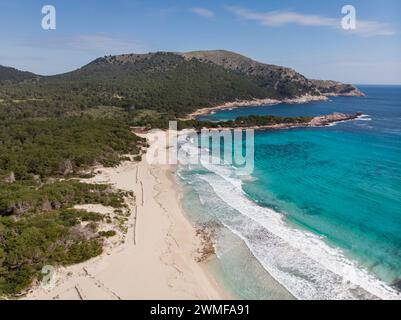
pixel 397 284
pixel 334 117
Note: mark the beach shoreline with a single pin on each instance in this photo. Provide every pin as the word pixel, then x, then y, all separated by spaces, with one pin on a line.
pixel 254 103
pixel 319 121
pixel 159 257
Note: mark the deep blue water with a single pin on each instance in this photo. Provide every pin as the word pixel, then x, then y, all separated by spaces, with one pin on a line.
pixel 341 183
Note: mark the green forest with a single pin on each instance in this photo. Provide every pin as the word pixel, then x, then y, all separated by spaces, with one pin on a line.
pixel 162 82
pixel 38 226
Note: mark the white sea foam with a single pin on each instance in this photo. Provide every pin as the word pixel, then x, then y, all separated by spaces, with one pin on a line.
pixel 364 117
pixel 301 261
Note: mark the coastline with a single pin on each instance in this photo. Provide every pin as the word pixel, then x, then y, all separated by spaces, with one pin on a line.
pixel 163 256
pixel 254 103
pixel 160 257
pixel 319 121
pixel 277 244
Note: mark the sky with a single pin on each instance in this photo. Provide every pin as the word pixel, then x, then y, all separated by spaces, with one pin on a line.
pixel 306 35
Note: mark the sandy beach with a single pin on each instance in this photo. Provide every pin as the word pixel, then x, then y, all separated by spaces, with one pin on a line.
pixel 157 257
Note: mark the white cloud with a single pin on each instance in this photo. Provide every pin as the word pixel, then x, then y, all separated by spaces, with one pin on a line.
pixel 372 28
pixel 281 18
pixel 203 12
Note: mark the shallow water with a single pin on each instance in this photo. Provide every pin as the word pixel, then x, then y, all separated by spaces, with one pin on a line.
pixel 321 213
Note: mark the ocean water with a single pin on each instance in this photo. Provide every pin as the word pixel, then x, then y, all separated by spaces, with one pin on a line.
pixel 320 215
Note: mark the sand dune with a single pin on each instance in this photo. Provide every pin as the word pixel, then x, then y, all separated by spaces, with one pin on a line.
pixel 157 259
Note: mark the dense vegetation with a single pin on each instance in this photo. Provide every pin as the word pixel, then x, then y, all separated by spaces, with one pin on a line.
pixel 240 122
pixel 57 147
pixel 173 83
pixel 20 198
pixel 37 225
pixel 48 238
pixel 154 120
pixel 11 75
pixel 162 82
pixel 38 228
pixel 285 82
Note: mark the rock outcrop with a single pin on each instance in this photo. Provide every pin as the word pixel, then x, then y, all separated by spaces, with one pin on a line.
pixel 332 118
pixel 335 88
pixel 10 178
pixel 286 81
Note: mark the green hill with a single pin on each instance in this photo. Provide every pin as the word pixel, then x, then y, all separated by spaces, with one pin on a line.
pixel 173 83
pixel 11 75
pixel 165 82
pixel 285 82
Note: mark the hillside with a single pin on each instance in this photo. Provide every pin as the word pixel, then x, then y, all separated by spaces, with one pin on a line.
pixel 12 75
pixel 286 82
pixel 335 88
pixel 164 82
pixel 173 83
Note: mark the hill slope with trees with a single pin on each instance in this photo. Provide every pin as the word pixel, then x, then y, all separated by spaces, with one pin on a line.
pixel 173 83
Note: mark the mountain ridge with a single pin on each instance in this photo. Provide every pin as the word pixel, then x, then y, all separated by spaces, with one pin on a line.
pixel 167 82
pixel 14 75
pixel 237 62
pixel 267 75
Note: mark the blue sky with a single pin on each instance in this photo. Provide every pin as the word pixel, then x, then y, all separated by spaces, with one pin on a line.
pixel 305 35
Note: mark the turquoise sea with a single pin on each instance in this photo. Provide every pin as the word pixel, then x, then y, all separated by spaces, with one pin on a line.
pixel 320 215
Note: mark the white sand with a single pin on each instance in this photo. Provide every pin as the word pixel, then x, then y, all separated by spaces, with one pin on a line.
pixel 156 261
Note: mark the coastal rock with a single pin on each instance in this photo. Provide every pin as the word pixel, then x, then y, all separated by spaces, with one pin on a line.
pixel 335 88
pixel 397 285
pixel 272 123
pixel 305 99
pixel 207 247
pixel 331 118
pixel 255 103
